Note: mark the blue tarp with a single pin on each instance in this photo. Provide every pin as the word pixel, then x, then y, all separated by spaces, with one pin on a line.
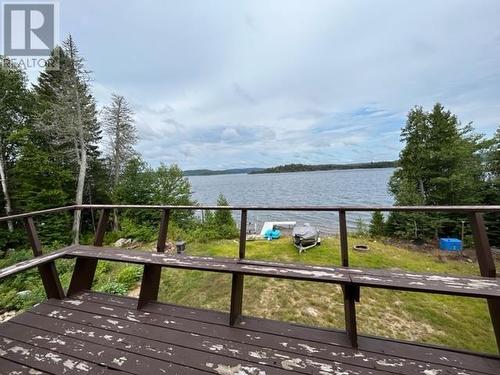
pixel 272 234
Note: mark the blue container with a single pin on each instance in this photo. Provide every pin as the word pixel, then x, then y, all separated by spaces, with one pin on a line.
pixel 450 244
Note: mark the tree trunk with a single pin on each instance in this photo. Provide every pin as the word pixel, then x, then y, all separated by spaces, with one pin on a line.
pixel 79 193
pixel 421 188
pixel 116 224
pixel 5 191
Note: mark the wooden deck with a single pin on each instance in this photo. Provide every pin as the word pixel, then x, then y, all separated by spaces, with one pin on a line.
pixel 77 331
pixel 94 333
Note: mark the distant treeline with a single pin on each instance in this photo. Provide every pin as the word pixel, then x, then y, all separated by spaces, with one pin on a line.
pixel 210 172
pixel 325 167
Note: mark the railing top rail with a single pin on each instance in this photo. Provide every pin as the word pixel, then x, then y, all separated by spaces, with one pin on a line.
pixel 467 209
pixel 37 213
pixel 456 209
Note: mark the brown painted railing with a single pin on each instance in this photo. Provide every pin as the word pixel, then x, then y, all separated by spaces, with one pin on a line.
pixel 83 274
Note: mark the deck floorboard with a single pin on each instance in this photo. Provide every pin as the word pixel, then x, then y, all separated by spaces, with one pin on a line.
pixel 315 335
pixel 95 333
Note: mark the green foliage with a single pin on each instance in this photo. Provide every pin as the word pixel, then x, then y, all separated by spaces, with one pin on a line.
pixel 440 164
pixel 492 189
pixel 361 228
pixel 140 232
pixel 129 275
pixel 113 287
pixel 377 224
pixel 223 219
pixel 165 185
pixel 215 225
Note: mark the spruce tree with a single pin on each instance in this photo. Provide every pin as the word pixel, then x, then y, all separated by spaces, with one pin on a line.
pixel 14 117
pixel 439 165
pixel 377 224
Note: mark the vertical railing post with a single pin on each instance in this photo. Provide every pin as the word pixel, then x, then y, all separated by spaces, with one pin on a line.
pixel 237 279
pixel 48 271
pixel 486 267
pixel 344 251
pixel 351 293
pixel 151 274
pixel 84 271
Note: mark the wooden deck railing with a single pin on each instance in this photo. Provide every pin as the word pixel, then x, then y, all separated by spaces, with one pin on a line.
pixel 85 266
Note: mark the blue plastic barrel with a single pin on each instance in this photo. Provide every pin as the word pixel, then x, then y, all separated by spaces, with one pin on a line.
pixel 450 244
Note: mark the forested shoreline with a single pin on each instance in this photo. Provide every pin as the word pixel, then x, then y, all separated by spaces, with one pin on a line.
pixel 287 168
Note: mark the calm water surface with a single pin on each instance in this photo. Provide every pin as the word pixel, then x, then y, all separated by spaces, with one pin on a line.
pixel 364 187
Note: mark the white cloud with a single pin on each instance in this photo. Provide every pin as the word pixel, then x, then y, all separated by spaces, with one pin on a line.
pixel 222 84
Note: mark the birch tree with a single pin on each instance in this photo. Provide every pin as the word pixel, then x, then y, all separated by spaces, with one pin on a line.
pixel 119 126
pixel 72 119
pixel 13 116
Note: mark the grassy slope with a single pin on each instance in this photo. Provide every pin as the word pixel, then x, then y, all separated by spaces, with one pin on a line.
pixel 451 321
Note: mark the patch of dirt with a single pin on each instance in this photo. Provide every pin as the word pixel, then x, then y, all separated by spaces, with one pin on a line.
pixel 135 292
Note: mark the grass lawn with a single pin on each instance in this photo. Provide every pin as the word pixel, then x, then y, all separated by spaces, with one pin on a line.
pixel 446 320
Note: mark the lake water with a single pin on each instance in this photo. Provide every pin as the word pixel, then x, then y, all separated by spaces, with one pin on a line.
pixel 364 187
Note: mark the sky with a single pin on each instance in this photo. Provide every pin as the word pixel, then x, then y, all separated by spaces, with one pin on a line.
pixel 231 84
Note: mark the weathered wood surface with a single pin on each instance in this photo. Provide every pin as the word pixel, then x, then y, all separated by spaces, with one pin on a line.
pixel 324 337
pixel 84 270
pixel 151 275
pixel 463 209
pixel 47 271
pixel 35 262
pixel 102 332
pixel 45 360
pixel 486 266
pixel 13 368
pixel 207 264
pixel 402 280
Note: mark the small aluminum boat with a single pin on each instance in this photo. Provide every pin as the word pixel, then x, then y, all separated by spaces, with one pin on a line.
pixel 305 237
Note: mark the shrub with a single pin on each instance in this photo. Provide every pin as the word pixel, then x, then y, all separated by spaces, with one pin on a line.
pixel 129 275
pixel 113 288
pixel 216 225
pixel 140 232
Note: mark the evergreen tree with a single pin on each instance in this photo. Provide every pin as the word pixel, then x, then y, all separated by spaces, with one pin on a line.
pixel 492 191
pixel 223 217
pixel 70 117
pixel 439 165
pixel 377 224
pixel 14 117
pixel 220 224
pixel 44 173
pixel 118 121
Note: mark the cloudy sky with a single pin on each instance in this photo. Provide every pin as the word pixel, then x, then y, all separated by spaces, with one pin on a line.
pixel 220 84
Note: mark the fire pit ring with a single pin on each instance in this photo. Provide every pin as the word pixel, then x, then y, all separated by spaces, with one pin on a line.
pixel 361 247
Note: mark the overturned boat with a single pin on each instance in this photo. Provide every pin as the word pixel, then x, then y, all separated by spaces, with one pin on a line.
pixel 305 237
